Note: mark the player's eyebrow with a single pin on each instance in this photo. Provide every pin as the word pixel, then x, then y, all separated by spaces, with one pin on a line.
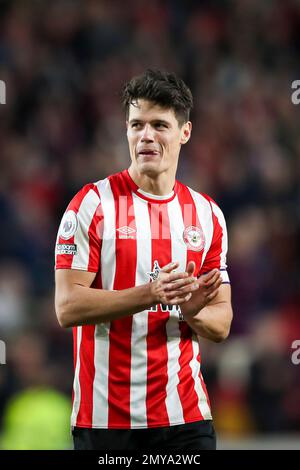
pixel 161 121
pixel 154 121
pixel 132 121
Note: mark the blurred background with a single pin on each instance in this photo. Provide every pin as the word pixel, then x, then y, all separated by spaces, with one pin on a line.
pixel 62 126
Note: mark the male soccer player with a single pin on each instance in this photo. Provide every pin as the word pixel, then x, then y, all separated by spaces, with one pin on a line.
pixel 140 276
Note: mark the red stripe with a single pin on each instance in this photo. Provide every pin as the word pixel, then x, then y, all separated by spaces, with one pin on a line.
pixel 86 376
pixel 95 233
pixel 157 352
pixel 120 330
pixel 202 382
pixel 186 387
pixel 74 355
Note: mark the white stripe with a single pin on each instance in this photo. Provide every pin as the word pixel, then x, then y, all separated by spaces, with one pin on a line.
pixel 100 386
pixel 138 373
pixel 76 384
pixel 179 253
pixel 108 250
pixel 225 277
pixel 205 218
pixel 56 254
pixel 108 269
pixel 85 216
pixel 194 365
pixel 219 214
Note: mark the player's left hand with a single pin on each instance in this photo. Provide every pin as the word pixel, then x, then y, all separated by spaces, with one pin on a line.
pixel 208 283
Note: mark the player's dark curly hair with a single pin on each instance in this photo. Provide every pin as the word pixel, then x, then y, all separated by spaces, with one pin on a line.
pixel 162 88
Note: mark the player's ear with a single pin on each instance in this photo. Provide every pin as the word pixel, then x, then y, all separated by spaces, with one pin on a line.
pixel 186 132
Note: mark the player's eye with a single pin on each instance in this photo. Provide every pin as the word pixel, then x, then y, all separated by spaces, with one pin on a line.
pixel 160 125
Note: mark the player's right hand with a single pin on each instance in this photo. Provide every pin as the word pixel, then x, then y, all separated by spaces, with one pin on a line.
pixel 173 288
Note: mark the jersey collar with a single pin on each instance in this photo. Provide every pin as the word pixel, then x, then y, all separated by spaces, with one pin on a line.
pixel 148 196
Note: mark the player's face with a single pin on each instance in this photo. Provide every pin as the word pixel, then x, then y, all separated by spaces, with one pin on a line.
pixel 155 138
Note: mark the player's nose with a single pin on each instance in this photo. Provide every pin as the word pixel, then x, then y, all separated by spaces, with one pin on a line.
pixel 147 134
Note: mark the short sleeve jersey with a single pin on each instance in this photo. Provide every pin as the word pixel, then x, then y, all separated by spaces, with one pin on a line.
pixel 143 370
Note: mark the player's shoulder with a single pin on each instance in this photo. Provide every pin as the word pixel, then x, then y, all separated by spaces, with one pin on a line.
pixel 109 180
pixel 202 196
pixel 210 199
pixel 88 192
pixel 93 190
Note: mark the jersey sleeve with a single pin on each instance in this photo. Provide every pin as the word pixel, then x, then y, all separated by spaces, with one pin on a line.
pixel 217 252
pixel 78 242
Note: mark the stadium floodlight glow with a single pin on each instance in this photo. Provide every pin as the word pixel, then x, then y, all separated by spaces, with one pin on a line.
pixel 2 92
pixel 2 352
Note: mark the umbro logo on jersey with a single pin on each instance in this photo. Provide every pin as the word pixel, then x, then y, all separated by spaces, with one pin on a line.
pixel 126 232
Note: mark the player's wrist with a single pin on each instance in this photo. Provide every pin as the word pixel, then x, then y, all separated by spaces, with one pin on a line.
pixel 191 308
pixel 148 297
pixel 153 294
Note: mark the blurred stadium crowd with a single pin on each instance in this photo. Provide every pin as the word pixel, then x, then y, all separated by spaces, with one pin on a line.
pixel 63 63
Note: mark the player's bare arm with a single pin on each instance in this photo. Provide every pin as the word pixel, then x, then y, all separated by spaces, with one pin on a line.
pixel 209 311
pixel 77 303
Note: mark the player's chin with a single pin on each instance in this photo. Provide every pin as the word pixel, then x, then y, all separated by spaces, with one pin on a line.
pixel 151 168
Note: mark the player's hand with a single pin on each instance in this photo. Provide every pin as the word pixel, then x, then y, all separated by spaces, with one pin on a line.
pixel 173 288
pixel 208 283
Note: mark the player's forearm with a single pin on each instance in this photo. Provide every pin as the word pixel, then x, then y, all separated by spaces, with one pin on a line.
pixel 84 305
pixel 211 322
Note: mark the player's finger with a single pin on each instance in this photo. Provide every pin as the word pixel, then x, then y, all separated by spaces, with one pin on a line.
pixel 214 287
pixel 212 279
pixel 183 291
pixel 180 283
pixel 216 283
pixel 180 300
pixel 190 269
pixel 212 295
pixel 208 276
pixel 169 267
pixel 176 276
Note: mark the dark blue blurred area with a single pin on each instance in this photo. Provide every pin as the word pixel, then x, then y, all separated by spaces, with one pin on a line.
pixel 64 63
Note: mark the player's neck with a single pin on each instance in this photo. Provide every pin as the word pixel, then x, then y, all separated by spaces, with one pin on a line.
pixel 159 185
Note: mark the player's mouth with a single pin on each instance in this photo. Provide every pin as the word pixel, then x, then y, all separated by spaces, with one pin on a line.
pixel 148 153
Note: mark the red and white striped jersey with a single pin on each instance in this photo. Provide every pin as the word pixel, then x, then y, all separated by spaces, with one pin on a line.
pixel 142 370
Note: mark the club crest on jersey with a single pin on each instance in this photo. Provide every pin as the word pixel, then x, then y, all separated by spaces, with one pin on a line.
pixel 194 238
pixel 69 225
